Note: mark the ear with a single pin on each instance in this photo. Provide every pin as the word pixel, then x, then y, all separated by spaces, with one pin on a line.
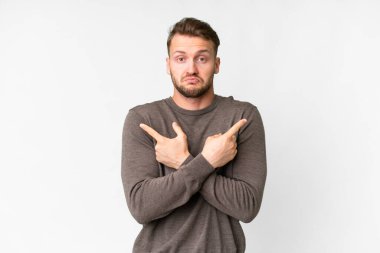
pixel 217 64
pixel 168 65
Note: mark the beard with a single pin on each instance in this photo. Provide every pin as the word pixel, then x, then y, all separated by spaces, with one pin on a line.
pixel 192 92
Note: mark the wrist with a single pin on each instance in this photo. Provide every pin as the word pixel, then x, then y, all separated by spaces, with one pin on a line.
pixel 182 159
pixel 208 159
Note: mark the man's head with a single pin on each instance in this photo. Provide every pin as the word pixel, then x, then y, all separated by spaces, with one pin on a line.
pixel 192 62
pixel 194 28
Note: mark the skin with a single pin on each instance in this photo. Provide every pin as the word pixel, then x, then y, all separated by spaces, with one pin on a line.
pixel 218 149
pixel 192 63
pixel 171 152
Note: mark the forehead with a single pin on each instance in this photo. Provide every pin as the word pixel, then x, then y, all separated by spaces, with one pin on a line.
pixel 190 44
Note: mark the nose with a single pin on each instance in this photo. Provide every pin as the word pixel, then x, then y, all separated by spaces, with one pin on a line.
pixel 192 68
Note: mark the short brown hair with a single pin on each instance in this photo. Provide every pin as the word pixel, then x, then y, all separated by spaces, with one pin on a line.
pixel 194 27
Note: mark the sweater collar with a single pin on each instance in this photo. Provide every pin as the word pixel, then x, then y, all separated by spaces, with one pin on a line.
pixel 181 110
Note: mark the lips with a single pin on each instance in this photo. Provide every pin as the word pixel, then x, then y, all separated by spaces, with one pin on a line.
pixel 191 79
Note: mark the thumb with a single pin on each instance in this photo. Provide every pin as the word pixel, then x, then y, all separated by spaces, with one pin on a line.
pixel 216 135
pixel 178 129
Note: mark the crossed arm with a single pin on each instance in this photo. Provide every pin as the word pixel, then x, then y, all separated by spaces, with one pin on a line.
pixel 218 150
pixel 150 196
pixel 230 196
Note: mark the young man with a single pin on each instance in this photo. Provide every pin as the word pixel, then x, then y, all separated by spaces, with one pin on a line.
pixel 194 164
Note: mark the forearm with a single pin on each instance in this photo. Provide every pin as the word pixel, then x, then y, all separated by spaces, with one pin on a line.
pixel 149 194
pixel 233 197
pixel 238 192
pixel 153 198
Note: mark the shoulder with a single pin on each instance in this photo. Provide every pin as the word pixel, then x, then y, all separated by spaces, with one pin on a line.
pixel 150 108
pixel 231 104
pixel 244 109
pixel 144 113
pixel 237 109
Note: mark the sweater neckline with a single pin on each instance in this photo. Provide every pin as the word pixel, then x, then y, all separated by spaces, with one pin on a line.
pixel 181 110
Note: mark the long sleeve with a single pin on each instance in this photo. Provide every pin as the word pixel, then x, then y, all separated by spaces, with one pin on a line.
pixel 148 195
pixel 241 195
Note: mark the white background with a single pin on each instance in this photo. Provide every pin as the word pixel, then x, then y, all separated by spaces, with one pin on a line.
pixel 70 70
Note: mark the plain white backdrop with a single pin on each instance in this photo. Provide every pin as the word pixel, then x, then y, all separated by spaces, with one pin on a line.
pixel 70 71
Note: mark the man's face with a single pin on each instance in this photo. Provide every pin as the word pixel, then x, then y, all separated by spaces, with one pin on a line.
pixel 192 64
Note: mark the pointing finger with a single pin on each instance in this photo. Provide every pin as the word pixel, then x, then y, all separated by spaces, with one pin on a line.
pixel 235 128
pixel 177 129
pixel 151 132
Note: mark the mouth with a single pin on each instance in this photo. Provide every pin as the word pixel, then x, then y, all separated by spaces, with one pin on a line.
pixel 191 80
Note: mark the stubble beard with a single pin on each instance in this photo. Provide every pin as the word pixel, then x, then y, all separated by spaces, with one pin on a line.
pixel 194 92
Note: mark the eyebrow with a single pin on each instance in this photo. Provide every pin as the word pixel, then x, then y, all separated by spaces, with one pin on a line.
pixel 198 52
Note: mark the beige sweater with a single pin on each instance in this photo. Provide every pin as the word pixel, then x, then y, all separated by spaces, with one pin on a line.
pixel 194 209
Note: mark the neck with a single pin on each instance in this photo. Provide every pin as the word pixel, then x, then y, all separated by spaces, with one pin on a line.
pixel 194 103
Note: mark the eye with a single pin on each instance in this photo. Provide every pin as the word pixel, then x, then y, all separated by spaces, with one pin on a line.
pixel 180 59
pixel 202 59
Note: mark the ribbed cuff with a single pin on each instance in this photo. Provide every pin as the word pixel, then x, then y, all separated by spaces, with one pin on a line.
pixel 196 171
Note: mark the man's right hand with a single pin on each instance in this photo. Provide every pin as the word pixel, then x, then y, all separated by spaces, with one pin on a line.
pixel 219 149
pixel 171 152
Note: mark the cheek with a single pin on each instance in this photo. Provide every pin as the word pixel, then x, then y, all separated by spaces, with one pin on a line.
pixel 177 74
pixel 176 70
pixel 209 71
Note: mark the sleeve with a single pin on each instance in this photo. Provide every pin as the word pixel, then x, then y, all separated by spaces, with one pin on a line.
pixel 148 195
pixel 241 195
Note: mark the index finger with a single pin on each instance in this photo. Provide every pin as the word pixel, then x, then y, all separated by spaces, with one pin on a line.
pixel 151 132
pixel 235 128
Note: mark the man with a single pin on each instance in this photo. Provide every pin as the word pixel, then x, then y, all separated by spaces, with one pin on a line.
pixel 194 164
